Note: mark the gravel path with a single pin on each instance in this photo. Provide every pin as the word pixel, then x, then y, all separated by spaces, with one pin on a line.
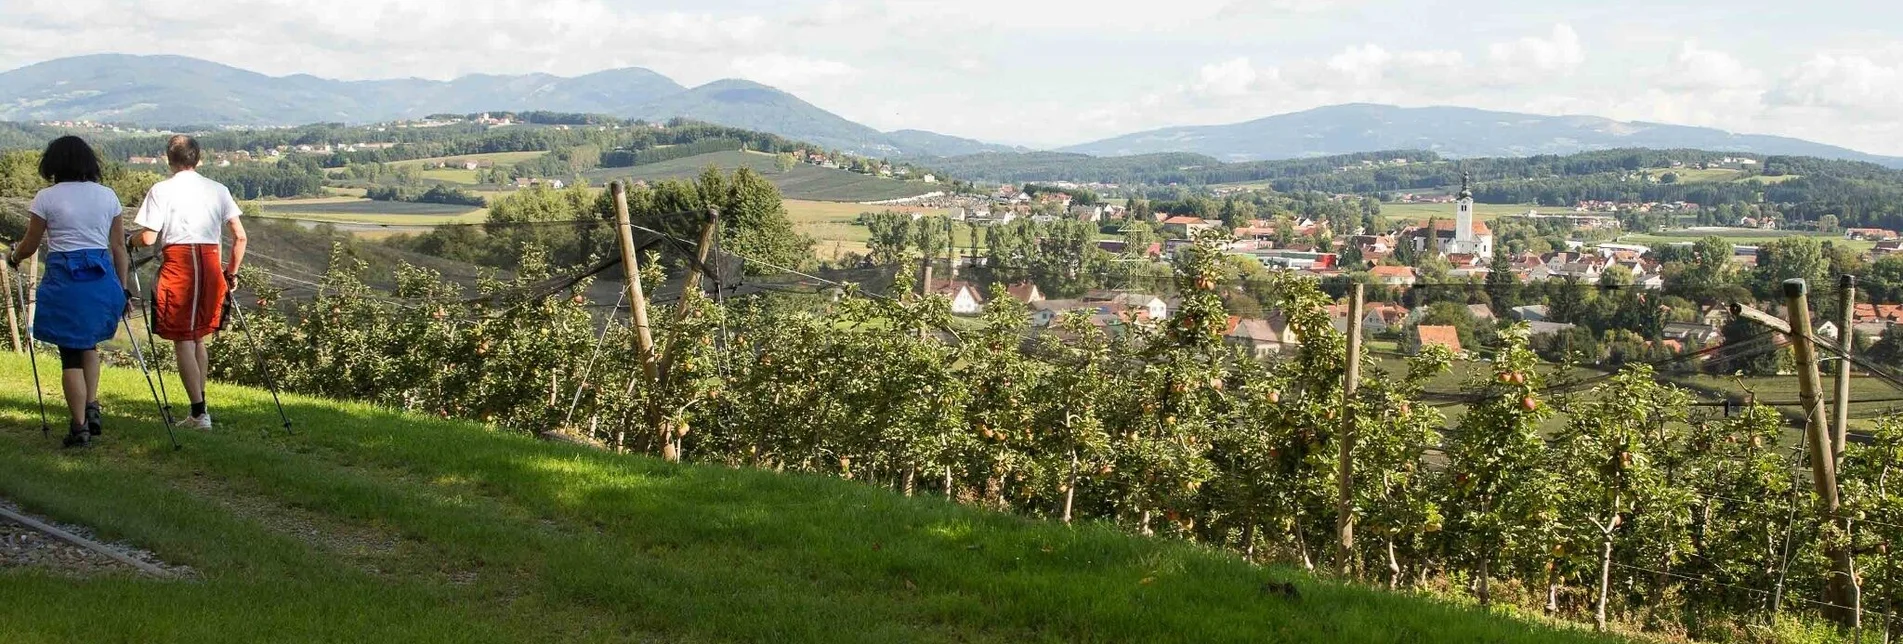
pixel 24 547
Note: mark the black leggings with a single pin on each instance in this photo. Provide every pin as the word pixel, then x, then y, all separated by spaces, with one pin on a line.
pixel 73 358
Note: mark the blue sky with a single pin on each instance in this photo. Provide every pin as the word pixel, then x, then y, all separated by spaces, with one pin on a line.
pixel 1047 73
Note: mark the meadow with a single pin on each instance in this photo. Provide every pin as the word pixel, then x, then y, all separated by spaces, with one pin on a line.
pixel 803 181
pixel 1421 212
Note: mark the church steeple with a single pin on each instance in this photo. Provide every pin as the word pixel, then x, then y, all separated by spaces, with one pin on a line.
pixel 1464 218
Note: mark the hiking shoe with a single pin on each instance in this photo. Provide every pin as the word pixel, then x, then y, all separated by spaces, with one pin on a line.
pixel 196 422
pixel 93 411
pixel 76 438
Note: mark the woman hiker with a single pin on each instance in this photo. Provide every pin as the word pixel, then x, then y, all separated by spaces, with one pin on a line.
pixel 186 216
pixel 82 296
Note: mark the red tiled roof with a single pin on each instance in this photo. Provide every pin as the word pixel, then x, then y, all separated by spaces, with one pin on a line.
pixel 1393 271
pixel 1445 336
pixel 1183 219
pixel 1480 227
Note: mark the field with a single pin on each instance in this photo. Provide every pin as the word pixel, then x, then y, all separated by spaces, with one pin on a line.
pixel 365 211
pixel 831 224
pixel 804 181
pixel 1743 237
pixel 498 158
pixel 1696 175
pixel 451 175
pixel 1420 212
pixel 1771 180
pixel 371 525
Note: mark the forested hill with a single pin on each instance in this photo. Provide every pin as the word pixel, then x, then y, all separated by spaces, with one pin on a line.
pixel 1801 188
pixel 178 92
pixel 1451 131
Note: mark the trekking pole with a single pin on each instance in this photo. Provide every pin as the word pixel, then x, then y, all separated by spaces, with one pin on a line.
pixel 140 353
pixel 257 356
pixel 33 359
pixel 151 313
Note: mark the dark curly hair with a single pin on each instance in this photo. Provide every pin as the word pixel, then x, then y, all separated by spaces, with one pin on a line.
pixel 68 158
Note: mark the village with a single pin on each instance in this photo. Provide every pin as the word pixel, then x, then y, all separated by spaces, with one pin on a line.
pixel 1461 241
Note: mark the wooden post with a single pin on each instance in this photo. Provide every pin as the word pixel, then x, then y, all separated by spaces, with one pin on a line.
pixel 32 304
pixel 1840 404
pixel 637 300
pixel 676 430
pixel 7 288
pixel 1823 461
pixel 1345 481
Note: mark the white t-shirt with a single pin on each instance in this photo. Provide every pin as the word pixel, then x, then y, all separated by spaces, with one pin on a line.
pixel 187 209
pixel 78 215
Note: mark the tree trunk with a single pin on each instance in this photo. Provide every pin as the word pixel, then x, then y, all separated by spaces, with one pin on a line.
pixel 1145 526
pixel 950 493
pixel 1605 582
pixel 1394 566
pixel 1301 543
pixel 1481 591
pixel 910 474
pixel 1070 486
pixel 1248 541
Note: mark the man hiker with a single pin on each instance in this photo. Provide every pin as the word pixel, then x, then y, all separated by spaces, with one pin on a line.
pixel 185 217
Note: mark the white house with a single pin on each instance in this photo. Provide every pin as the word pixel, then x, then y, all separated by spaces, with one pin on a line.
pixel 1148 307
pixel 965 298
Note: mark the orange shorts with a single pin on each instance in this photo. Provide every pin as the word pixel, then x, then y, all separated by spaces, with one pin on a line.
pixel 189 296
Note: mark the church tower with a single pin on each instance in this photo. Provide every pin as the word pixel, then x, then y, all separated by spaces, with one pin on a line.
pixel 1464 241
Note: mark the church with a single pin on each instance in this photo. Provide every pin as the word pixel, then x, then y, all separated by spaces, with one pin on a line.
pixel 1459 236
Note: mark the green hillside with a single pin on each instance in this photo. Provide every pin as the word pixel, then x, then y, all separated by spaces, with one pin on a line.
pixel 802 182
pixel 371 525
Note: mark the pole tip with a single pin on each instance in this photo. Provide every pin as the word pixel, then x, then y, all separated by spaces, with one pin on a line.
pixel 1794 287
pixel 1846 280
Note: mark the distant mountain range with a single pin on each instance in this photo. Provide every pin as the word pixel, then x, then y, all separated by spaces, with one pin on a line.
pixel 181 91
pixel 1451 131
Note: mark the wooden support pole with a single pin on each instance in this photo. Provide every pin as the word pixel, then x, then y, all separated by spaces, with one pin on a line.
pixel 7 288
pixel 1345 481
pixel 637 300
pixel 1840 404
pixel 677 429
pixel 1823 461
pixel 31 306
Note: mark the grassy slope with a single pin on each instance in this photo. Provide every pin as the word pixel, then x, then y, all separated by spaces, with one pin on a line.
pixel 802 182
pixel 370 525
pixel 1421 212
pixel 499 158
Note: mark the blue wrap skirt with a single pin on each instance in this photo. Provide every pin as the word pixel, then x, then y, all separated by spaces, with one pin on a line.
pixel 80 299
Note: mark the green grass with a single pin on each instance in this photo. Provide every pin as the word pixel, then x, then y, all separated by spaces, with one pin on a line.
pixel 1420 212
pixel 498 158
pixel 831 223
pixel 451 175
pixel 802 182
pixel 1744 237
pixel 1696 175
pixel 371 525
pixel 346 210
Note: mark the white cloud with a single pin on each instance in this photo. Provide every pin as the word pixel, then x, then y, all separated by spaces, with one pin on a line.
pixel 1697 68
pixel 784 70
pixel 1257 8
pixel 1853 82
pixel 1532 58
pixel 1361 65
pixel 1236 77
